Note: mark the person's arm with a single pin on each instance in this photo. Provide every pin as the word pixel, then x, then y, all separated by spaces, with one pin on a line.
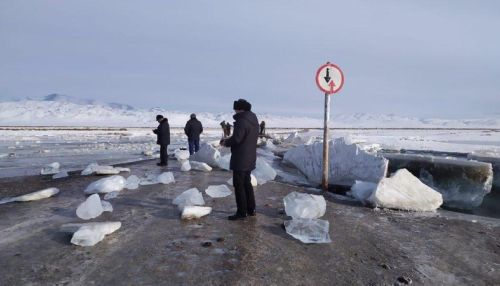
pixel 201 125
pixel 238 135
pixel 186 129
pixel 155 131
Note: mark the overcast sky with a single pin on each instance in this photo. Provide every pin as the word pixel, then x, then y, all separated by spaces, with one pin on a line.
pixel 423 58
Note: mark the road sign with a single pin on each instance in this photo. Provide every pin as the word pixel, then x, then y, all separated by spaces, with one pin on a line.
pixel 329 78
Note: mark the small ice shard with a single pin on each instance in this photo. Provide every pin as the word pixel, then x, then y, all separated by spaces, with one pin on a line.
pixel 194 212
pixel 218 191
pixel 50 169
pixel 106 170
pixel 405 192
pixel 224 162
pixel 122 169
pixel 89 234
pixel 61 174
pixel 111 195
pixel 348 163
pixel 148 153
pixel 189 197
pixel 90 208
pixel 38 195
pixel 200 166
pixel 300 205
pixel 106 206
pixel 89 169
pixel 185 166
pixel 181 155
pixel 132 182
pixel 253 181
pixel 309 230
pixel 166 178
pixel 4 155
pixel 150 179
pixel 106 185
pixel 207 154
pixel 263 172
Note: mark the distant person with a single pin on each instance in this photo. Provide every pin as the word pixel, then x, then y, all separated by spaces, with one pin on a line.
pixel 163 138
pixel 243 145
pixel 228 129
pixel 262 128
pixel 193 129
pixel 224 129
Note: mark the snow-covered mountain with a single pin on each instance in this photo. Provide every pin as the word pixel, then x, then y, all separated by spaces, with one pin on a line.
pixel 61 110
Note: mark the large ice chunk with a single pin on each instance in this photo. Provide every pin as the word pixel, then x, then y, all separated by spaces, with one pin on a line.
pixel 166 178
pixel 309 230
pixel 300 205
pixel 489 157
pixel 200 166
pixel 207 154
pixel 194 212
pixel 401 191
pixel 463 183
pixel 181 155
pixel 191 197
pixel 297 139
pixel 253 181
pixel 38 195
pixel 263 172
pixel 50 169
pixel 106 185
pixel 348 163
pixel 90 208
pixel 132 182
pixel 89 234
pixel 218 191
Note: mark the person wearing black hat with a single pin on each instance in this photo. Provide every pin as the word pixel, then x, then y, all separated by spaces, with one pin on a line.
pixel 163 138
pixel 193 129
pixel 243 145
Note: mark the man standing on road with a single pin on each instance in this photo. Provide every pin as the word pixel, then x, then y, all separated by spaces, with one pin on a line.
pixel 243 145
pixel 193 129
pixel 163 138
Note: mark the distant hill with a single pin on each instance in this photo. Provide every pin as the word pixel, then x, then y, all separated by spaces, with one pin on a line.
pixel 62 110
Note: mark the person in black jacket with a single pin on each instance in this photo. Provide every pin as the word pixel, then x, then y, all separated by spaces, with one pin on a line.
pixel 262 128
pixel 243 145
pixel 163 138
pixel 193 129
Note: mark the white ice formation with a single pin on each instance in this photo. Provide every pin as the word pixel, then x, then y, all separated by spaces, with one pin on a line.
pixel 50 169
pixel 106 185
pixel 38 195
pixel 218 191
pixel 132 182
pixel 348 163
pixel 89 234
pixel 302 205
pixel 90 208
pixel 185 166
pixel 309 230
pixel 181 155
pixel 401 191
pixel 194 212
pixel 224 162
pixel 191 197
pixel 106 206
pixel 263 172
pixel 207 154
pixel 166 178
pixel 200 166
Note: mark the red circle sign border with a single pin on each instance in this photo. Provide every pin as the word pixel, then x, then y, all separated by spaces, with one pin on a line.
pixel 341 75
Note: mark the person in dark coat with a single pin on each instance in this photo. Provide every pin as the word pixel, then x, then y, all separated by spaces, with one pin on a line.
pixel 243 145
pixel 228 129
pixel 224 129
pixel 193 129
pixel 262 128
pixel 163 138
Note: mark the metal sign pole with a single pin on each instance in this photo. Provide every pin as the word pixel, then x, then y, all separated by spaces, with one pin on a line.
pixel 324 181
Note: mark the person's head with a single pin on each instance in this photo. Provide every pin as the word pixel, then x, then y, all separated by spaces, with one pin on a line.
pixel 159 117
pixel 241 105
pixel 193 116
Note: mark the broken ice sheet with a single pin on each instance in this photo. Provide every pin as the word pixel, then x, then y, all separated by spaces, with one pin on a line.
pixel 300 205
pixel 309 230
pixel 90 208
pixel 218 191
pixel 263 171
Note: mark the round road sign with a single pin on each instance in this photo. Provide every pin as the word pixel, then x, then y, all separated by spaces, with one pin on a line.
pixel 329 78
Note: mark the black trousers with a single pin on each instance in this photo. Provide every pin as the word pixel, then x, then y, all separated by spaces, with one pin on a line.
pixel 163 154
pixel 243 191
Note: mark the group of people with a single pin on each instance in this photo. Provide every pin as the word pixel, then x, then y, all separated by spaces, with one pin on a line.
pixel 243 144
